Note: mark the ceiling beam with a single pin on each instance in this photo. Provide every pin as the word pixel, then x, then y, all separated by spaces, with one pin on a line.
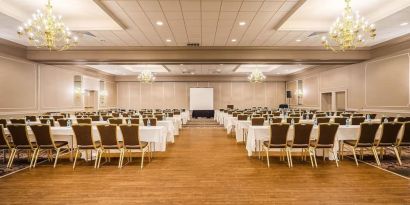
pixel 288 14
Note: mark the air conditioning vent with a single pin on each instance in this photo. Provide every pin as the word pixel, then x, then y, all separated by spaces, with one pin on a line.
pixel 192 44
pixel 316 34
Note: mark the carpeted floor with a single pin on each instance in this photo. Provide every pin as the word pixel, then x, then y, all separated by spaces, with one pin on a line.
pixel 19 163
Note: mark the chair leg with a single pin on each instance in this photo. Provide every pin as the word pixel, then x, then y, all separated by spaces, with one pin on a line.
pixel 33 156
pixel 310 156
pixel 267 157
pixel 287 158
pixel 354 155
pixel 36 157
pixel 335 158
pixel 56 158
pixel 99 160
pixel 342 153
pixel 119 160
pixel 142 159
pixel 11 157
pixel 290 156
pixel 361 153
pixel 314 156
pixel 75 157
pixel 396 152
pixel 376 157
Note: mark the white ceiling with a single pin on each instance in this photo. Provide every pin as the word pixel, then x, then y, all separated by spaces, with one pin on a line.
pixel 200 69
pixel 212 22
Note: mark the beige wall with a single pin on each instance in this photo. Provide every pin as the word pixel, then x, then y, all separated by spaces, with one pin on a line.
pixel 379 85
pixel 29 87
pixel 137 95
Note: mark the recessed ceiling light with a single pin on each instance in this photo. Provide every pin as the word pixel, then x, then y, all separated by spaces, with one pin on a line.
pixel 242 23
pixel 168 40
pixel 404 24
pixel 159 23
pixel 233 40
pixel 298 40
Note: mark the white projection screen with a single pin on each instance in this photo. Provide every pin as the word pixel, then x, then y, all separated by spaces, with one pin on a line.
pixel 201 99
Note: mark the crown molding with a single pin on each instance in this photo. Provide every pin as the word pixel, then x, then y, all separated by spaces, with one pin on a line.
pixel 10 48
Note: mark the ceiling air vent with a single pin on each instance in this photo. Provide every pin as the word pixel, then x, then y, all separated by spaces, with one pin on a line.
pixel 316 34
pixel 192 44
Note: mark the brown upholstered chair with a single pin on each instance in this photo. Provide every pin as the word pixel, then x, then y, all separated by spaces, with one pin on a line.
pixel 389 138
pixel 21 141
pixel 242 117
pixel 130 134
pixel 330 113
pixel 294 115
pixel 325 140
pixel 301 140
pixel 115 114
pixel 45 117
pixel 3 122
pixel 276 120
pixel 348 115
pixel 159 117
pixel 63 122
pixel 276 113
pixel 125 114
pixel 403 119
pixel 45 142
pixel 47 121
pixel 84 138
pixel 170 114
pixel 372 116
pixel 320 115
pixel 109 141
pixel 358 120
pixel 257 121
pixel 358 115
pixel 17 121
pixel 277 139
pixel 307 116
pixel 295 119
pixel 389 119
pixel 340 120
pixel 323 120
pixel 404 141
pixel 177 112
pixel 366 139
pixel 106 117
pixel 5 144
pixel 152 121
pixel 84 121
pixel 95 118
pixel 56 117
pixel 235 114
pixel 32 118
pixel 256 115
pixel 135 116
pixel 115 121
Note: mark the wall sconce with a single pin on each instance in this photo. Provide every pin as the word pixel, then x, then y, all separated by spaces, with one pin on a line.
pixel 300 93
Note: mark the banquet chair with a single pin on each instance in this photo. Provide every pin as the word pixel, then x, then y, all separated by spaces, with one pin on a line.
pixel 109 141
pixel 372 116
pixel 403 119
pixel 84 121
pixel 46 121
pixel 45 142
pixel 276 113
pixel 325 140
pixel 294 115
pixel 56 117
pixel 257 121
pixel 358 120
pixel 348 115
pixel 235 114
pixel 358 115
pixel 152 121
pixel 159 117
pixel 95 118
pixel 330 113
pixel 404 141
pixel 3 122
pixel 63 122
pixel 389 138
pixel 19 136
pixel 5 144
pixel 132 141
pixel 106 117
pixel 366 139
pixel 115 114
pixel 125 114
pixel 170 114
pixel 277 139
pixel 300 140
pixel 17 121
pixel 320 115
pixel 338 113
pixel 323 120
pixel 79 116
pixel 135 116
pixel 115 121
pixel 44 117
pixel 256 115
pixel 84 138
pixel 307 116
pixel 32 118
pixel 65 115
pixel 177 112
pixel 389 119
pixel 295 119
pixel 340 120
pixel 276 120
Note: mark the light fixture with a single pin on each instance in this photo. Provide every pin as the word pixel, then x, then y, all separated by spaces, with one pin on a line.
pixel 242 23
pixel 146 76
pixel 168 40
pixel 404 24
pixel 256 76
pixel 298 40
pixel 159 23
pixel 233 40
pixel 349 31
pixel 45 29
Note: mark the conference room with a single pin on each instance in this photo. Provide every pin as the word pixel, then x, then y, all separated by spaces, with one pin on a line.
pixel 205 102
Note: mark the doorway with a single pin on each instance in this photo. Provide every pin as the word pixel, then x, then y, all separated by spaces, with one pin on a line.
pixel 326 101
pixel 90 100
pixel 341 101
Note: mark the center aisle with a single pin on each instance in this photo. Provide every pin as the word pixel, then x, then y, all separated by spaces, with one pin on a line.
pixel 203 166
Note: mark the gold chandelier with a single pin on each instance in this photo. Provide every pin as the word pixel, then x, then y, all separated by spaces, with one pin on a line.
pixel 45 29
pixel 256 76
pixel 146 76
pixel 348 32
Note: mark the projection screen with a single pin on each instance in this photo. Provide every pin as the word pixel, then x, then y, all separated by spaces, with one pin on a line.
pixel 201 99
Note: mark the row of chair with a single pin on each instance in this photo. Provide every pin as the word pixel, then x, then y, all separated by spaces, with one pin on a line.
pixel 64 122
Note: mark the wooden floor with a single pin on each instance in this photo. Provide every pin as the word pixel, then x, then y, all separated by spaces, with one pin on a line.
pixel 205 166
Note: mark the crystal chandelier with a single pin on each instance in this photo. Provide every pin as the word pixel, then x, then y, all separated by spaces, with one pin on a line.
pixel 45 29
pixel 348 32
pixel 146 76
pixel 256 77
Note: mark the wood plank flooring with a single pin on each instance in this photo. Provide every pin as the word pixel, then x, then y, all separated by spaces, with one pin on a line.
pixel 205 166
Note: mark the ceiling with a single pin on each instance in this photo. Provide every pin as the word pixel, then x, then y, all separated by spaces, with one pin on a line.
pixel 200 69
pixel 207 22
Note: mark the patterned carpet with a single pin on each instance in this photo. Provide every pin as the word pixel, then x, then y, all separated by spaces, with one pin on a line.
pixel 19 163
pixel 389 161
pixel 202 122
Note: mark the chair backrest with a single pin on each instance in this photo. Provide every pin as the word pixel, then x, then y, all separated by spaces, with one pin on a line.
pixel 63 122
pixel 106 117
pixel 83 134
pixel 295 119
pixel 323 120
pixel 346 115
pixel 177 112
pixel 84 121
pixel 276 113
pixel 32 118
pixel 133 121
pixel 372 116
pixel 340 120
pixel 390 132
pixel 235 114
pixel 327 134
pixel 276 120
pixel 358 120
pixel 3 122
pixel 135 116
pixel 130 134
pixel 45 116
pixel 403 119
pixel 95 117
pixel 358 114
pixel 153 121
pixel 170 114
pixel 159 117
pixel 389 119
pixel 257 121
pixel 256 115
pixel 279 133
pixel 19 134
pixel 124 114
pixel 45 121
pixel 307 116
pixel 3 139
pixel 108 134
pixel 330 113
pixel 406 134
pixel 17 121
pixel 302 133
pixel 56 117
pixel 242 117
pixel 368 132
pixel 115 121
pixel 338 113
pixel 320 115
pixel 42 134
pixel 294 115
pixel 115 114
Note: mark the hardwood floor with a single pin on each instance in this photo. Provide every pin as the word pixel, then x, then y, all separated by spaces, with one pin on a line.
pixel 205 166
